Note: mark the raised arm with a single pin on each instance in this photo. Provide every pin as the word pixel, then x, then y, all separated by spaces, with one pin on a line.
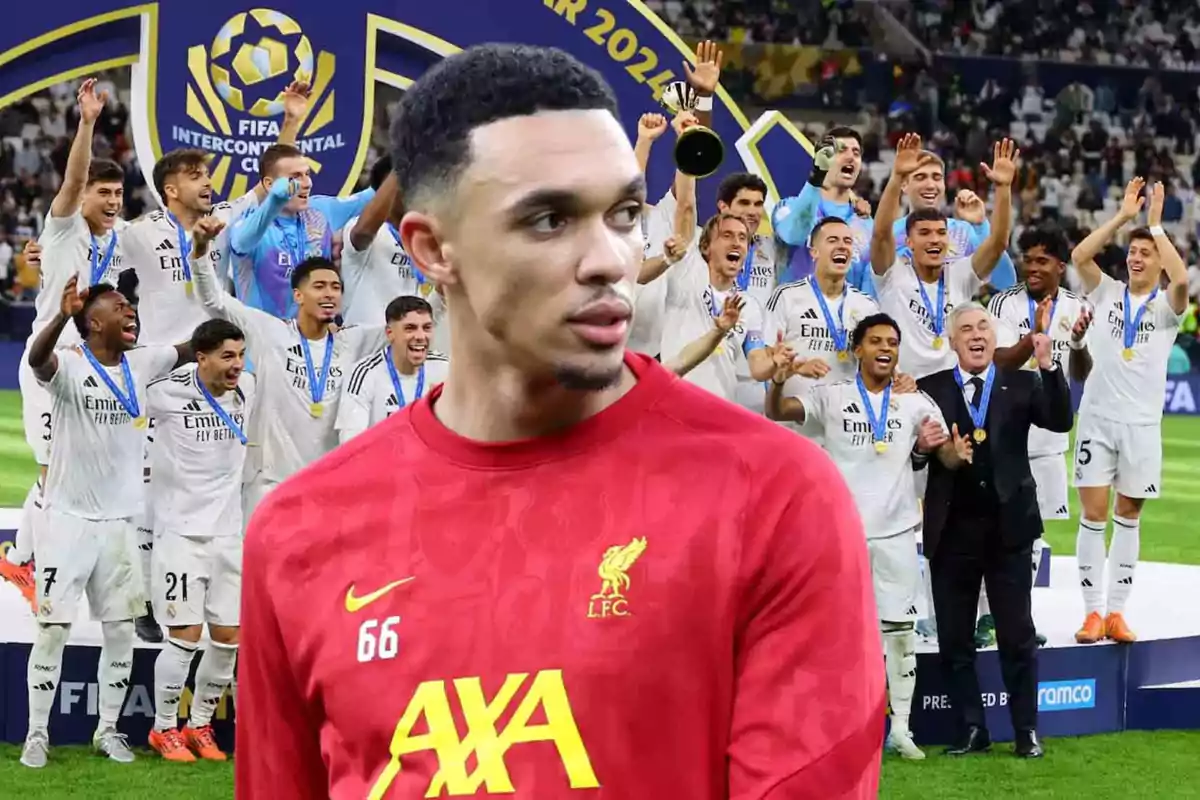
pixel 1084 254
pixel 374 215
pixel 250 229
pixel 794 217
pixel 1001 174
pixel 694 353
pixel 650 127
pixel 340 210
pixel 705 77
pixel 883 239
pixel 70 194
pixel 1172 262
pixel 215 300
pixel 42 359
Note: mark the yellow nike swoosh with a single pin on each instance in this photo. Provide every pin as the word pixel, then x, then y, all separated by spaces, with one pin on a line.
pixel 354 604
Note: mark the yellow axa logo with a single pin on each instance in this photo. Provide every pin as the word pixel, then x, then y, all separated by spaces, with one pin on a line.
pixel 454 778
pixel 354 603
pixel 614 575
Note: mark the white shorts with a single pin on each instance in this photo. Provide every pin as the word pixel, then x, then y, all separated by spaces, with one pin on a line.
pixel 1126 457
pixel 36 405
pixel 197 579
pixel 77 555
pixel 252 496
pixel 896 573
pixel 1050 475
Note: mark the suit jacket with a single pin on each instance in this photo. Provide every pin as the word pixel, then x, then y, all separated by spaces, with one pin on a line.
pixel 1020 398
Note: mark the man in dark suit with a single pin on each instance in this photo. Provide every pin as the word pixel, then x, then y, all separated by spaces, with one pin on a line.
pixel 981 518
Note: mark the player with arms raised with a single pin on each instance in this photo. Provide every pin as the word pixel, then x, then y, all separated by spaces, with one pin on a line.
pixel 93 492
pixel 872 432
pixel 300 363
pixel 80 239
pixel 1118 442
pixel 200 413
pixel 493 526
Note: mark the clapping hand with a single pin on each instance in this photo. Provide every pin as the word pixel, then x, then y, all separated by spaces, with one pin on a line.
pixel 1080 328
pixel 1157 196
pixel 930 435
pixel 731 312
pixel 1043 351
pixel 1132 202
pixel 962 445
pixel 1041 317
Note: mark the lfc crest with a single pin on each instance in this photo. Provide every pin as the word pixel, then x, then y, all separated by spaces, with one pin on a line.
pixel 614 567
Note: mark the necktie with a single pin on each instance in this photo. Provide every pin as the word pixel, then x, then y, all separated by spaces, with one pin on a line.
pixel 977 396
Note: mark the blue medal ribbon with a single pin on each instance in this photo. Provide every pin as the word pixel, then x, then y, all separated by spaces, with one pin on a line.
pixel 747 270
pixel 127 399
pixel 185 247
pixel 937 320
pixel 1131 328
pixel 878 423
pixel 416 273
pixel 221 412
pixel 1033 313
pixel 395 376
pixel 99 267
pixel 316 384
pixel 978 416
pixel 836 332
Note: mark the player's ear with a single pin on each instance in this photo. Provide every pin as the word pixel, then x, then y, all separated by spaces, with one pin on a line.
pixel 422 237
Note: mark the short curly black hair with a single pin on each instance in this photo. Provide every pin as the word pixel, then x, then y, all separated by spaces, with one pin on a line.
pixel 481 85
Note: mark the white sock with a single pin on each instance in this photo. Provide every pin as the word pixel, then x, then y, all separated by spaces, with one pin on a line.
pixel 116 662
pixel 22 550
pixel 1038 545
pixel 984 606
pixel 43 672
pixel 1122 561
pixel 213 677
pixel 899 647
pixel 927 584
pixel 146 551
pixel 170 676
pixel 1089 552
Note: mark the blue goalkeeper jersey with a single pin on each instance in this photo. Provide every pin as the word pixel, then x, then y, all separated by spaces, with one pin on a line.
pixel 267 245
pixel 793 220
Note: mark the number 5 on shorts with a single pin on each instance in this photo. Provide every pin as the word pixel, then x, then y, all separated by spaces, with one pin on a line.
pixel 1083 453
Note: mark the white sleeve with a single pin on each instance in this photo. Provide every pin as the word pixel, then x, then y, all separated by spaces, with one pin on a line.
pixel 56 229
pixel 1007 334
pixel 61 384
pixel 928 408
pixel 962 276
pixel 775 318
pixel 816 405
pixel 348 248
pixel 1107 286
pixel 366 339
pixel 354 415
pixel 261 328
pixel 154 362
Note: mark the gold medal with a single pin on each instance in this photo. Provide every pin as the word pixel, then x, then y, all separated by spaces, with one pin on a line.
pixel 1031 363
pixel 426 288
pixel 187 288
pixel 937 342
pixel 720 349
pixel 316 409
pixel 140 423
pixel 980 435
pixel 1127 354
pixel 881 447
pixel 843 355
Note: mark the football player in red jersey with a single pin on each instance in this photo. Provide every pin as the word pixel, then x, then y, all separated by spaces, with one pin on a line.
pixel 565 572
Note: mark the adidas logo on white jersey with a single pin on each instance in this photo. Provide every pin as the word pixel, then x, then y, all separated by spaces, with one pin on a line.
pixel 852 409
pixel 810 313
pixel 296 350
pixel 165 244
pixel 90 382
pixel 192 406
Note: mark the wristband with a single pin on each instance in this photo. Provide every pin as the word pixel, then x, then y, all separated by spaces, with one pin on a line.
pixel 704 103
pixel 1157 230
pixel 1080 345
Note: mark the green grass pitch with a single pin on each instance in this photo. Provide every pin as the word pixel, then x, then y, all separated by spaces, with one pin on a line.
pixel 1160 765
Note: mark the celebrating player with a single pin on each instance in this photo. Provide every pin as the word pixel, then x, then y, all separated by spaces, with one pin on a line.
pixel 1118 444
pixel 287 227
pixel 300 363
pixel 1041 304
pixel 200 414
pixel 696 292
pixel 537 524
pixel 80 238
pixel 401 373
pixel 920 291
pixel 93 492
pixel 871 432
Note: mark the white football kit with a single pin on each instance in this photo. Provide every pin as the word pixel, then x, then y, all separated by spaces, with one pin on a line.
pixel 68 249
pixel 795 311
pixel 649 309
pixel 373 277
pixel 1014 309
pixel 922 351
pixel 94 487
pixel 692 305
pixel 882 482
pixel 168 310
pixel 1119 439
pixel 198 461
pixel 295 415
pixel 370 396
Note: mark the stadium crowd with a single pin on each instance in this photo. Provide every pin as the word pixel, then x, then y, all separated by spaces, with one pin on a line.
pixel 890 282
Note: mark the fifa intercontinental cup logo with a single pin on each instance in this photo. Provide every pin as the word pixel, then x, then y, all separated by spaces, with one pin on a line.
pixel 236 94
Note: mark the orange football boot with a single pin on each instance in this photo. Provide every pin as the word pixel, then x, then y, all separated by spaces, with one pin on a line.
pixel 204 743
pixel 22 577
pixel 1092 630
pixel 1116 629
pixel 170 745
